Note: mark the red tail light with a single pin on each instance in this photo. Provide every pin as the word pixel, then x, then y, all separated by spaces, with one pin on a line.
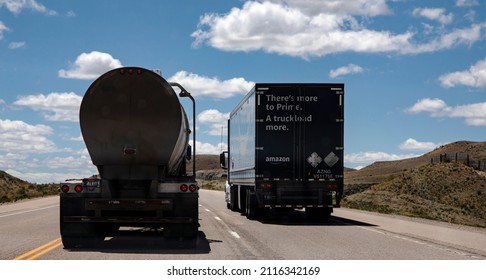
pixel 78 188
pixel 192 188
pixel 184 188
pixel 265 185
pixel 65 188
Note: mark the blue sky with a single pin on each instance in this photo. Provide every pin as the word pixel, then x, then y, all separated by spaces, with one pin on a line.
pixel 414 71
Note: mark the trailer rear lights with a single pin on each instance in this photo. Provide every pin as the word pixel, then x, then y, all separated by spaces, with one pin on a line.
pixel 265 185
pixel 78 188
pixel 65 188
pixel 192 188
pixel 184 188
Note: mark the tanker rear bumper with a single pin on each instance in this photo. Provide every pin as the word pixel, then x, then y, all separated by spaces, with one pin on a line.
pixel 129 211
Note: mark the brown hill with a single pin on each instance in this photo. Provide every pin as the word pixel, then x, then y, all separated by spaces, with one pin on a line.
pixel 13 189
pixel 450 192
pixel 471 153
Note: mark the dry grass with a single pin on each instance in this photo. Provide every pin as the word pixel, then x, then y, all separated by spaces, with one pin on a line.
pixel 450 192
pixel 13 189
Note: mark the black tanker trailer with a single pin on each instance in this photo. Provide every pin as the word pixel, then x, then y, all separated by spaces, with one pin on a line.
pixel 137 134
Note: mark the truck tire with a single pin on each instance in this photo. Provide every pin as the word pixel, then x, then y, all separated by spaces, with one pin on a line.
pixel 234 198
pixel 251 210
pixel 72 242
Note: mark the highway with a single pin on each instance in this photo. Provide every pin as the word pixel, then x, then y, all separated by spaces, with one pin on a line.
pixel 30 230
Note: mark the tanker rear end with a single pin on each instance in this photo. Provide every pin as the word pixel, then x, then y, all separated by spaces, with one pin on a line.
pixel 136 133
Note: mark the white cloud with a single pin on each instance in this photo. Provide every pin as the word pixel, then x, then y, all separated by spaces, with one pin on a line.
pixel 21 137
pixel 90 66
pixel 56 106
pixel 466 3
pixel 434 106
pixel 345 70
pixel 369 157
pixel 216 120
pixel 413 145
pixel 475 76
pixel 438 14
pixel 3 28
pixel 212 87
pixel 339 7
pixel 474 114
pixel 16 6
pixel 16 45
pixel 301 29
pixel 48 177
pixel 209 149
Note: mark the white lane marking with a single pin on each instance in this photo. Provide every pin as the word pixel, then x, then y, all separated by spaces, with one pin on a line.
pixel 207 210
pixel 235 235
pixel 217 218
pixel 28 211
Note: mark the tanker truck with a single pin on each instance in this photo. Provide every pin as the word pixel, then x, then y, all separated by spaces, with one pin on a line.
pixel 136 132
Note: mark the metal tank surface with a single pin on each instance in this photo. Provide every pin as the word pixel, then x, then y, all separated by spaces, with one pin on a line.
pixel 134 126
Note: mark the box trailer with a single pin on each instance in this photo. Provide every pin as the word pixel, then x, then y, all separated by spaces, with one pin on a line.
pixel 285 149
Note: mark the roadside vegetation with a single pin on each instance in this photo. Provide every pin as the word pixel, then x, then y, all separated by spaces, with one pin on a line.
pixel 13 189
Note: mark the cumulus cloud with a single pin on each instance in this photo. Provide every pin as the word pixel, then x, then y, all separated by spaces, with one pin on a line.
pixel 212 87
pixel 54 106
pixel 438 14
pixel 209 149
pixel 215 120
pixel 345 70
pixel 16 6
pixel 90 66
pixel 474 114
pixel 433 106
pixel 369 157
pixel 413 145
pixel 339 7
pixel 302 29
pixel 20 137
pixel 475 76
pixel 3 28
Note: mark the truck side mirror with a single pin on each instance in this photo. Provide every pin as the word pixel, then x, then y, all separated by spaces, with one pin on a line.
pixel 222 160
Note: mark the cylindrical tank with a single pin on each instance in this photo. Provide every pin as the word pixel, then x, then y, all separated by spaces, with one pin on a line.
pixel 134 126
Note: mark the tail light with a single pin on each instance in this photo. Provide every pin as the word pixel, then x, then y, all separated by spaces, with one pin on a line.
pixel 184 188
pixel 192 188
pixel 65 188
pixel 265 185
pixel 78 188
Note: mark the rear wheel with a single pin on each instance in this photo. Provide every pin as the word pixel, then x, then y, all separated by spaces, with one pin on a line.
pixel 251 205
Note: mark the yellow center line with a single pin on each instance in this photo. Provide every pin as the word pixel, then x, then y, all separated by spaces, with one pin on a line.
pixel 41 250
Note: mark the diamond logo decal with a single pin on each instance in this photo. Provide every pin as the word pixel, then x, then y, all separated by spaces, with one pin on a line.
pixel 314 159
pixel 331 159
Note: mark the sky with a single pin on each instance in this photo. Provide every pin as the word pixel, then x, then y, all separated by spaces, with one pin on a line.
pixel 414 71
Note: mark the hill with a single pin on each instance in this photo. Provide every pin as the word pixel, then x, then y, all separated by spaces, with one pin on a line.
pixel 13 189
pixel 378 172
pixel 449 192
pixel 444 185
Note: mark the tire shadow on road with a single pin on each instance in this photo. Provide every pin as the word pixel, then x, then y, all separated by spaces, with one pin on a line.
pixel 141 241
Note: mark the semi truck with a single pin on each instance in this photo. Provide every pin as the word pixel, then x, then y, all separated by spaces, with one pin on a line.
pixel 285 150
pixel 137 133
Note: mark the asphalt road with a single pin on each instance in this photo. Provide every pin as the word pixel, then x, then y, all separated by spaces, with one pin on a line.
pixel 30 230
